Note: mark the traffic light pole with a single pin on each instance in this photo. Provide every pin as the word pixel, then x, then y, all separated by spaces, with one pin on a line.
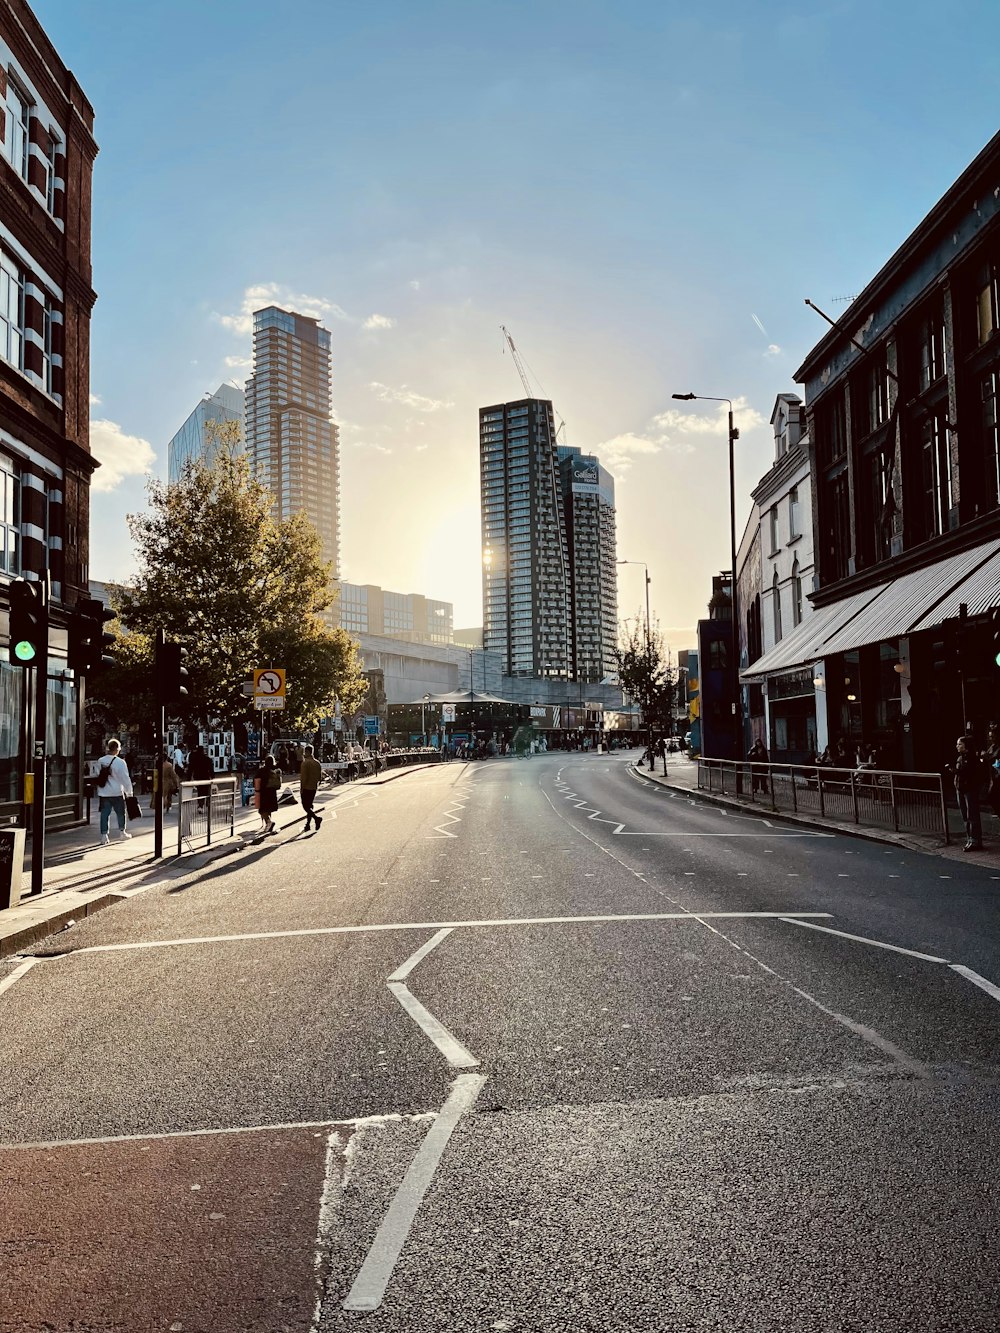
pixel 39 737
pixel 159 726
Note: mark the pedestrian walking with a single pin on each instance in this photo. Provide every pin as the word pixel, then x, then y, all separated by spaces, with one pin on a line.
pixel 165 784
pixel 113 784
pixel 968 781
pixel 179 762
pixel 268 784
pixel 309 779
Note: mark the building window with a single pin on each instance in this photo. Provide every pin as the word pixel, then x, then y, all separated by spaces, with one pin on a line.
pixel 932 362
pixel 831 431
pixel 838 528
pixel 10 518
pixel 988 301
pixel 15 144
pixel 870 396
pixel 776 606
pixel 794 519
pixel 796 593
pixel 935 477
pixel 989 386
pixel 11 312
pixel 772 518
pixel 717 655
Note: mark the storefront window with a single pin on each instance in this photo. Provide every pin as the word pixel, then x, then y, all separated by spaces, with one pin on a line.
pixel 11 684
pixel 61 733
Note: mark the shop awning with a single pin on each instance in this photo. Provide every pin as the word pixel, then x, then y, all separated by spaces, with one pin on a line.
pixel 979 590
pixel 916 601
pixel 807 641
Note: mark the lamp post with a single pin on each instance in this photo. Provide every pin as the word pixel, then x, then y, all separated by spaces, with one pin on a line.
pixel 423 721
pixel 649 655
pixel 734 601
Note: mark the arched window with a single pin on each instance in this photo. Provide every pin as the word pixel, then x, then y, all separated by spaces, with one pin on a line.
pixel 796 593
pixel 776 602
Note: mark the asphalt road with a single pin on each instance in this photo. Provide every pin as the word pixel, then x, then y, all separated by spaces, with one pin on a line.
pixel 512 1046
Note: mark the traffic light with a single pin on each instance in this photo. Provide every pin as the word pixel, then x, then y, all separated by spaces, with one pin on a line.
pixel 29 623
pixel 995 633
pixel 171 672
pixel 941 653
pixel 88 644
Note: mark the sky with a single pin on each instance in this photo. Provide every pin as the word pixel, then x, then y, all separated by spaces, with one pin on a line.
pixel 644 193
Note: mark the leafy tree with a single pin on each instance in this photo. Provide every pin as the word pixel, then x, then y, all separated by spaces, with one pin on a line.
pixel 645 673
pixel 239 590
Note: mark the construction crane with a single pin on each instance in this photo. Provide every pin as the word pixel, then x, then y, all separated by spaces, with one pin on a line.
pixel 523 372
pixel 519 364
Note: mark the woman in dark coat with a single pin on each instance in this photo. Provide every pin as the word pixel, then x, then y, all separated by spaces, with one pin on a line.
pixel 268 785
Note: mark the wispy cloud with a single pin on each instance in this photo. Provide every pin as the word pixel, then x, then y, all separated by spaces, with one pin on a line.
pixel 379 322
pixel 408 398
pixel 675 431
pixel 239 362
pixel 274 293
pixel 120 455
pixel 773 350
pixel 95 398
pixel 415 284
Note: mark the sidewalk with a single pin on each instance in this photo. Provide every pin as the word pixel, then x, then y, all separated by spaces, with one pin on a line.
pixel 82 877
pixel 682 775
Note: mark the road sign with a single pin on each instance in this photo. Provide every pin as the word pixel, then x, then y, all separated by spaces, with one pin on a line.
pixel 247 687
pixel 371 726
pixel 269 703
pixel 269 683
pixel 447 712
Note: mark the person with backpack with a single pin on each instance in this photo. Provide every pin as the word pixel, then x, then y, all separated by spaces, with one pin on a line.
pixel 113 785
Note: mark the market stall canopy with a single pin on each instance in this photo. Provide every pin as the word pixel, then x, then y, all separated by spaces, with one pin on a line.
pixel 461 697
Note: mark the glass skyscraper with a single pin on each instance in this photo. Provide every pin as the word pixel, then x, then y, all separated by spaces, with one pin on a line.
pixel 550 605
pixel 193 440
pixel 293 444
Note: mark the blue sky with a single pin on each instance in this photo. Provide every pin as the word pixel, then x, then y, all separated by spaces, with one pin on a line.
pixel 625 185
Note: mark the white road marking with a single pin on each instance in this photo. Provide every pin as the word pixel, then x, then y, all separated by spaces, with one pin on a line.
pixel 401 973
pixel 866 1034
pixel 863 939
pixel 431 925
pixel 16 975
pixel 370 1285
pixel 977 980
pixel 211 1133
pixel 450 1047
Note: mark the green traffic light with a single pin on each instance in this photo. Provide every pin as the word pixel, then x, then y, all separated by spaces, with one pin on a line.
pixel 25 651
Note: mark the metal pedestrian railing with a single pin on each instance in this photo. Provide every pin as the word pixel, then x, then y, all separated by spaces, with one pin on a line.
pixel 207 811
pixel 874 798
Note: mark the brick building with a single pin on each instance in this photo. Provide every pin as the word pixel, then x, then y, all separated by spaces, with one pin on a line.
pixel 47 152
pixel 902 402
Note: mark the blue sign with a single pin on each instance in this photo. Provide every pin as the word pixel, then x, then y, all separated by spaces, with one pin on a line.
pixel 371 726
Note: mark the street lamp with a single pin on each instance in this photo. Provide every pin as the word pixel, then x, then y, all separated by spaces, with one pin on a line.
pixel 734 601
pixel 423 723
pixel 649 655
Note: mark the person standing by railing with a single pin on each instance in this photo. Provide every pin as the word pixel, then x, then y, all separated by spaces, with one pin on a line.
pixel 968 781
pixel 757 754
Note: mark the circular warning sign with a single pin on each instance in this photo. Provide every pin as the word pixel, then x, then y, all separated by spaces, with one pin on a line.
pixel 269 683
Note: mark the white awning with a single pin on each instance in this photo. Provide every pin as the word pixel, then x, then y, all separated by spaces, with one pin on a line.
pixel 807 641
pixel 916 601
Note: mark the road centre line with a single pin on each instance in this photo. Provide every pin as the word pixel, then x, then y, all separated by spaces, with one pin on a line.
pixel 401 973
pixel 976 979
pixel 863 939
pixel 16 975
pixel 452 1049
pixel 154 1137
pixel 369 1287
pixel 866 1034
pixel 429 925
